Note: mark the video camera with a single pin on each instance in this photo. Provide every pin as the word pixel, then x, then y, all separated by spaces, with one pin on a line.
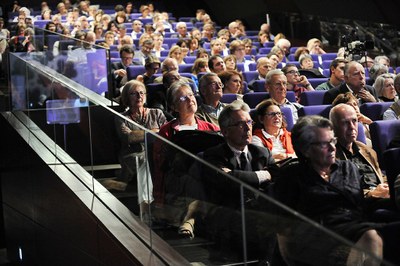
pixel 354 48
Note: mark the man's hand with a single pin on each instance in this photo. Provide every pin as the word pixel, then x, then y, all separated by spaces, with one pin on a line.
pixel 366 96
pixel 120 72
pixel 381 191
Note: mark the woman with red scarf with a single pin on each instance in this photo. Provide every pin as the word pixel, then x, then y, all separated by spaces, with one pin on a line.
pixel 271 131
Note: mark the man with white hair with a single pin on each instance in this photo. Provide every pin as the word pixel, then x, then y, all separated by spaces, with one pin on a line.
pixel 181 30
pixel 234 30
pixel 284 45
pixel 263 66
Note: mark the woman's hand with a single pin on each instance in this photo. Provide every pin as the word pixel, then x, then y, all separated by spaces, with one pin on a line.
pixel 125 129
pixel 279 156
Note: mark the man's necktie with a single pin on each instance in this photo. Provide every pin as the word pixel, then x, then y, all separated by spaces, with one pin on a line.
pixel 243 161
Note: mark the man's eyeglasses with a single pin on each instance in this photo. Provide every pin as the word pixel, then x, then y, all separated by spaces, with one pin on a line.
pixel 272 114
pixel 216 85
pixel 127 58
pixel 293 72
pixel 325 144
pixel 243 124
pixel 186 97
pixel 137 94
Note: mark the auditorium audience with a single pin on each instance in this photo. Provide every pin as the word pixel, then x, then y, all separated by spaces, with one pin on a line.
pixel 263 67
pixel 373 183
pixel 314 45
pixel 250 164
pixel 145 50
pixel 312 137
pixel 327 191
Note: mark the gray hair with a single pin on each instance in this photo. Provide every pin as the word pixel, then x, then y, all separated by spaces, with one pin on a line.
pixel 379 84
pixel 379 57
pixel 304 56
pixel 173 90
pixel 128 87
pixel 225 118
pixel 272 73
pixel 304 132
pixel 203 82
pixel 376 70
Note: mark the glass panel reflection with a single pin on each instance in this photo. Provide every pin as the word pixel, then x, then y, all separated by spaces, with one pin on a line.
pixel 200 209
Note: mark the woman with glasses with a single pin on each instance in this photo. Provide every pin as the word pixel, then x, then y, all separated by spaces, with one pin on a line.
pixel 271 131
pixel 329 192
pixel 131 135
pixel 182 102
pixel 134 167
pixel 169 182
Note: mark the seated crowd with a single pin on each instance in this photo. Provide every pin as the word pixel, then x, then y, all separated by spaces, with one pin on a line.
pixel 316 165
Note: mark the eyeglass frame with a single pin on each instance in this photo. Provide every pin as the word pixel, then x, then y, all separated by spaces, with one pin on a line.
pixel 185 97
pixel 215 83
pixel 293 72
pixel 325 144
pixel 240 124
pixel 137 93
pixel 273 114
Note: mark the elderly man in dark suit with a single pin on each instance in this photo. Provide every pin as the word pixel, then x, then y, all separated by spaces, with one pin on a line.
pixel 354 77
pixel 238 157
pixel 247 163
pixel 120 76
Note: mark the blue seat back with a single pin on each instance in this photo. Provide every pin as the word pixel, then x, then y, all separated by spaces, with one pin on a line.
pixel 252 99
pixel 382 132
pixel 312 98
pixel 134 71
pixel 322 110
pixel 228 97
pixel 375 110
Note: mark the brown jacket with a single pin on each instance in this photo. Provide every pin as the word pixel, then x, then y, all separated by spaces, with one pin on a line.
pixel 370 156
